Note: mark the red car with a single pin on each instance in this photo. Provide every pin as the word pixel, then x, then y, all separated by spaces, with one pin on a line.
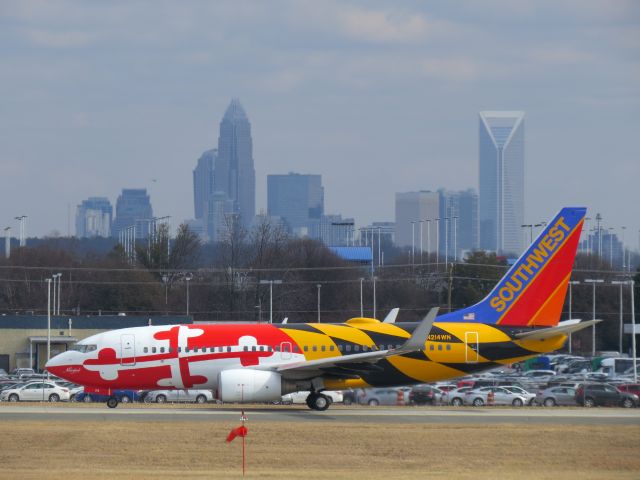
pixel 630 388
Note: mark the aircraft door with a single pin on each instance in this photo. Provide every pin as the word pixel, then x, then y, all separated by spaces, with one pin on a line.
pixel 127 349
pixel 471 352
pixel 285 350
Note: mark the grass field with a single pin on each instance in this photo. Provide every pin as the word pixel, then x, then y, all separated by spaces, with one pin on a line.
pixel 36 449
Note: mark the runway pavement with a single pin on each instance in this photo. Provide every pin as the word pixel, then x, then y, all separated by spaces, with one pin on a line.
pixel 422 415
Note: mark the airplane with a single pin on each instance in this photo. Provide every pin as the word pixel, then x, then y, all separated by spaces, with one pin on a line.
pixel 243 363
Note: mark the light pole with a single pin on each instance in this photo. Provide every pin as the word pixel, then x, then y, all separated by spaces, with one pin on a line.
pixel 379 247
pixel 188 278
pixel 48 280
pixel 570 305
pixel 7 242
pixel 319 287
pixel 446 240
pixel 593 327
pixel 437 222
pixel 271 282
pixel 616 282
pixel 413 241
pixel 623 248
pixel 361 304
pixel 54 277
pixel 374 296
pixel 165 280
pixel 455 239
pixel 428 240
pixel 633 331
pixel 56 311
pixel 421 244
pixel 611 246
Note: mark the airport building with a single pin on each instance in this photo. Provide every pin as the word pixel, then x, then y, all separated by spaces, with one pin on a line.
pixel 297 199
pixel 23 338
pixel 501 148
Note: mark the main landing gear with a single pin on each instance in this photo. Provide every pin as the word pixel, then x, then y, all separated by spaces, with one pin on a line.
pixel 318 401
pixel 112 402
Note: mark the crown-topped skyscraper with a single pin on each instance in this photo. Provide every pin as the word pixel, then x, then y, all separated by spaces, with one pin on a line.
pixel 234 174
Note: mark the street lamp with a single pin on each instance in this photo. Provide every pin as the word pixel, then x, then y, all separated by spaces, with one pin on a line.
pixel 570 304
pixel 437 222
pixel 7 242
pixel 455 239
pixel 48 280
pixel 271 282
pixel 593 327
pixel 633 331
pixel 165 280
pixel 421 244
pixel 188 278
pixel 413 241
pixel 319 287
pixel 428 240
pixel 56 310
pixel 446 240
pixel 374 296
pixel 621 283
pixel 361 305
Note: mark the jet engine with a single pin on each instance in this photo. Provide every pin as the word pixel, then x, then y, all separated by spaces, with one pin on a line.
pixel 246 385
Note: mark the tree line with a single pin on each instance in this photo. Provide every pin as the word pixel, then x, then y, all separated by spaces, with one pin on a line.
pixel 250 271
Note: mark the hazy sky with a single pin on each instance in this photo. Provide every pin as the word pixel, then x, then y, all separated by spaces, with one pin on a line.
pixel 378 97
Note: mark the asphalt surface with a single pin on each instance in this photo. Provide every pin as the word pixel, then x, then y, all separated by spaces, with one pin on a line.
pixel 381 415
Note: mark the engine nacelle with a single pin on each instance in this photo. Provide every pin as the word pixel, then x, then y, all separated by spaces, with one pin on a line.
pixel 246 385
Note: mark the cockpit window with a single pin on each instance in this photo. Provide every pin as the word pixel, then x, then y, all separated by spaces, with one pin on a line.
pixel 84 348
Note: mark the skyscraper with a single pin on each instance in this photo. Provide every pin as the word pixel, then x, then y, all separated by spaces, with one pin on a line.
pixel 501 149
pixel 93 217
pixel 234 174
pixel 133 208
pixel 411 207
pixel 459 222
pixel 297 199
pixel 203 182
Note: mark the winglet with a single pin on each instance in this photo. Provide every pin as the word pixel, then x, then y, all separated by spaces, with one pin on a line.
pixel 286 319
pixel 420 334
pixel 391 316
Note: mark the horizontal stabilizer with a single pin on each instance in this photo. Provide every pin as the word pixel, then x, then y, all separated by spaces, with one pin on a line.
pixel 563 328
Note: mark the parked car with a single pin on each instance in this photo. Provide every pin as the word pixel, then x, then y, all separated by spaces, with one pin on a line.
pixel 553 396
pixel 630 388
pixel 383 396
pixel 335 396
pixel 501 396
pixel 3 373
pixel 123 396
pixel 425 395
pixel 539 373
pixel 603 394
pixel 17 372
pixel 455 397
pixel 35 391
pixel 529 397
pixel 176 396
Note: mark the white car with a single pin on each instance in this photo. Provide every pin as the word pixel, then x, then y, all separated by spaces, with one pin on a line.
pixel 501 396
pixel 301 397
pixel 36 391
pixel 175 396
pixel 528 396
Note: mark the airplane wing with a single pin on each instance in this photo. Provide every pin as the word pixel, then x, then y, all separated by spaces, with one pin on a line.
pixel 357 361
pixel 568 326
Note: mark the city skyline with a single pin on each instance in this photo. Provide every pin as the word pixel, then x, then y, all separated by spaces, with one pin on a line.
pixel 390 93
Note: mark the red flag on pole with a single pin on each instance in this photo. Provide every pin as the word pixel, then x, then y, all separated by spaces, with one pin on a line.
pixel 240 431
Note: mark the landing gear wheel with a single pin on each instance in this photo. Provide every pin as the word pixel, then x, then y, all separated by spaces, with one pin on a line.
pixel 318 401
pixel 112 402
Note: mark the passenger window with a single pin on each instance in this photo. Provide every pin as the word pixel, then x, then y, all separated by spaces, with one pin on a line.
pixel 261 348
pixel 179 349
pixel 314 348
pixel 253 349
pixel 440 347
pixel 448 347
pixel 170 350
pixel 145 349
pixel 306 348
pixel 340 347
pixel 348 348
pixel 153 349
pixel 432 347
pixel 245 348
pixel 161 349
pixel 296 349
pixel 277 348
pixel 186 349
pixel 356 348
pixel 331 348
pixel 322 348
pixel 228 349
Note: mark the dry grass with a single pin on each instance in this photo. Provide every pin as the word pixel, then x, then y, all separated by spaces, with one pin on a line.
pixel 195 449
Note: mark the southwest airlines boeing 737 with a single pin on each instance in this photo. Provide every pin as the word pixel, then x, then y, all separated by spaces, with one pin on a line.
pixel 260 362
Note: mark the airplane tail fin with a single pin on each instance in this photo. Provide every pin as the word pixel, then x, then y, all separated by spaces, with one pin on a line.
pixel 532 292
